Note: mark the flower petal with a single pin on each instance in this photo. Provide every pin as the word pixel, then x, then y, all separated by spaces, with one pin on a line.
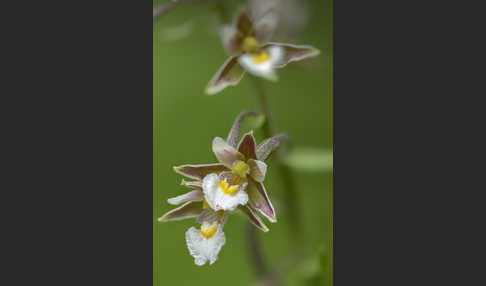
pixel 233 134
pixel 263 67
pixel 253 217
pixel 192 184
pixel 225 153
pixel 203 249
pixel 199 171
pixel 187 210
pixel 219 200
pixel 293 53
pixel 229 74
pixel 247 146
pixel 196 195
pixel 258 169
pixel 265 148
pixel 265 21
pixel 259 200
pixel 231 39
pixel 243 22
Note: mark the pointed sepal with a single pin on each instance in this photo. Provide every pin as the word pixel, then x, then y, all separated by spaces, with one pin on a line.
pixel 247 146
pixel 253 217
pixel 243 22
pixel 259 200
pixel 269 145
pixel 199 171
pixel 187 210
pixel 232 138
pixel 229 74
pixel 293 53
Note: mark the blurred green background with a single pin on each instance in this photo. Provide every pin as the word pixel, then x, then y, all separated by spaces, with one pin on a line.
pixel 186 53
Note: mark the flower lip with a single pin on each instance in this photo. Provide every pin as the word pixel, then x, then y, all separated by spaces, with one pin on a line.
pixel 219 199
pixel 227 188
pixel 260 57
pixel 208 229
pixel 262 63
pixel 205 249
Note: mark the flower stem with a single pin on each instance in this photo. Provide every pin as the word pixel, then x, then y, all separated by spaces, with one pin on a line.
pixel 255 251
pixel 285 172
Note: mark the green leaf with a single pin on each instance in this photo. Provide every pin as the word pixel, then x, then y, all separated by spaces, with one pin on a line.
pixel 310 159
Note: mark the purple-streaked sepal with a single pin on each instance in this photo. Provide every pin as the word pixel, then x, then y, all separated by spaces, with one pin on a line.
pixel 229 74
pixel 196 195
pixel 232 138
pixel 258 169
pixel 247 146
pixel 259 200
pixel 293 53
pixel 265 148
pixel 199 171
pixel 225 153
pixel 253 217
pixel 187 210
pixel 243 22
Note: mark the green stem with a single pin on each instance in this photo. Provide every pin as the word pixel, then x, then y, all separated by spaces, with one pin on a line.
pixel 285 172
pixel 255 251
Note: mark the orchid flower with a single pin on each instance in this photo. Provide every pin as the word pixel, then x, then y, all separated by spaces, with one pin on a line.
pixel 246 41
pixel 204 244
pixel 236 182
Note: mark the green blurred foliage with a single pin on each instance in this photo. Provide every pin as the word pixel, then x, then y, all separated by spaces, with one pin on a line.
pixel 310 159
pixel 186 121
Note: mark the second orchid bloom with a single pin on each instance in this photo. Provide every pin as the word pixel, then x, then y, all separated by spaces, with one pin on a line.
pixel 235 183
pixel 246 41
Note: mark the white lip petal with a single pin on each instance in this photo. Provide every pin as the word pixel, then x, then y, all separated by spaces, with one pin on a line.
pixel 276 53
pixel 217 199
pixel 264 69
pixel 203 249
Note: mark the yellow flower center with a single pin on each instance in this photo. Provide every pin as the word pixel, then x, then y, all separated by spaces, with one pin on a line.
pixel 260 57
pixel 208 229
pixel 240 168
pixel 250 44
pixel 227 189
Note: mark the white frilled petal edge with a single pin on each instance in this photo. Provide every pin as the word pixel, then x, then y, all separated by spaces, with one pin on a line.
pixel 266 68
pixel 217 199
pixel 204 249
